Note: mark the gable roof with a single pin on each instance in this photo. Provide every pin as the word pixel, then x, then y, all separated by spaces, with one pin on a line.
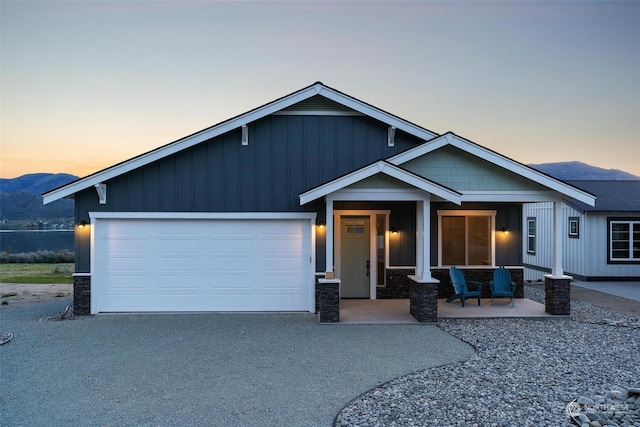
pixel 613 196
pixel 484 153
pixel 386 168
pixel 285 102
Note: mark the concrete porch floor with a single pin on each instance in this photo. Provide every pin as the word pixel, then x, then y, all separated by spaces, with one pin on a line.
pixel 397 310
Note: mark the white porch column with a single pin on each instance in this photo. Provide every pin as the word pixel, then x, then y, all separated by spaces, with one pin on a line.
pixel 420 261
pixel 329 236
pixel 423 236
pixel 557 270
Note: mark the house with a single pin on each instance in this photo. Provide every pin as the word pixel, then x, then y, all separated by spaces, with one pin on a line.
pixel 602 242
pixel 291 206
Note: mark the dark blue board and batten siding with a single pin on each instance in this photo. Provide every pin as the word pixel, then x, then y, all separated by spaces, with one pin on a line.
pixel 286 156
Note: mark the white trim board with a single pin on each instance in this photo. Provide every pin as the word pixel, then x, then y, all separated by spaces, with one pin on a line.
pixel 386 168
pixel 203 215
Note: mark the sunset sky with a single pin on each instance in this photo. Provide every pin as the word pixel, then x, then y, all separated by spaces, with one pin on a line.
pixel 85 85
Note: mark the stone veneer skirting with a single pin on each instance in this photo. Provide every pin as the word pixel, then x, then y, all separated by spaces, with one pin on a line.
pixel 329 300
pixel 397 284
pixel 557 295
pixel 423 301
pixel 82 294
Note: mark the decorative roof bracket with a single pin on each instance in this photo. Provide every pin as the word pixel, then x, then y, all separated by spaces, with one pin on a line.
pixel 102 192
pixel 391 136
pixel 245 135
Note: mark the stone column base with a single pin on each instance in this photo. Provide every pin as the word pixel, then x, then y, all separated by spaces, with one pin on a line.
pixel 81 294
pixel 329 307
pixel 423 300
pixel 557 295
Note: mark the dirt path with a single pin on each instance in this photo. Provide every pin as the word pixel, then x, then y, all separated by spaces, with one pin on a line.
pixel 27 293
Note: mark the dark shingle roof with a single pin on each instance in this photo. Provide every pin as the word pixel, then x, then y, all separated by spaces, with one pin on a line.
pixel 618 196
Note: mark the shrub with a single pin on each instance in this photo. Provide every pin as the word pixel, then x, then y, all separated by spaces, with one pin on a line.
pixel 46 257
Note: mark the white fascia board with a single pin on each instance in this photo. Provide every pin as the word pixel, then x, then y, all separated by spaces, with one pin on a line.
pixel 418 151
pixel 509 196
pixel 203 215
pixel 423 184
pixel 339 183
pixel 380 167
pixel 522 170
pixel 179 145
pixel 498 160
pixel 377 114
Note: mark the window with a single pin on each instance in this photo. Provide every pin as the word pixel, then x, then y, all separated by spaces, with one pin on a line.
pixel 574 226
pixel 466 237
pixel 624 240
pixel 531 235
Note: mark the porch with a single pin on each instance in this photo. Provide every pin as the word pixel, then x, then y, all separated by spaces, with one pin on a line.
pixel 396 311
pixel 425 301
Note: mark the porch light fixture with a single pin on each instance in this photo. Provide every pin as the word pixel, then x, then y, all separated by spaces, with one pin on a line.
pixel 394 230
pixel 82 224
pixel 322 225
pixel 504 230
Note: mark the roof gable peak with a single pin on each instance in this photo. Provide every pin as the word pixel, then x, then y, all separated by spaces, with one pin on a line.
pixel 450 138
pixel 317 88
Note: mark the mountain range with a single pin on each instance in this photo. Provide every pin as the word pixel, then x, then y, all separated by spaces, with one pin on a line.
pixel 578 171
pixel 20 197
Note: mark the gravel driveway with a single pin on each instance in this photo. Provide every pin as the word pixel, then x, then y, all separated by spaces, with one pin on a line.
pixel 201 369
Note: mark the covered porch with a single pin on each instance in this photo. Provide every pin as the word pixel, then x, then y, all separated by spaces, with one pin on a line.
pixel 396 311
pixel 467 212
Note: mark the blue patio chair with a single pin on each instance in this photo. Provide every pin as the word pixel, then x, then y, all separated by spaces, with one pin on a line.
pixel 460 287
pixel 502 286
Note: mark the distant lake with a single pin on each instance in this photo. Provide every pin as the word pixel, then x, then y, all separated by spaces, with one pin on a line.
pixel 36 240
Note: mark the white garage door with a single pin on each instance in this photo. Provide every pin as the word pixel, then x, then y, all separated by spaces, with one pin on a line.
pixel 202 265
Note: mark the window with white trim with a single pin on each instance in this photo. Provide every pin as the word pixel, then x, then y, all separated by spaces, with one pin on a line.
pixel 466 237
pixel 531 235
pixel 574 227
pixel 624 240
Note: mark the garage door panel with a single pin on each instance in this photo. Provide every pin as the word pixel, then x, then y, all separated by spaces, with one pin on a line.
pixel 179 300
pixel 276 300
pixel 127 265
pixel 231 299
pixel 226 263
pixel 203 265
pixel 230 244
pixel 179 263
pixel 280 246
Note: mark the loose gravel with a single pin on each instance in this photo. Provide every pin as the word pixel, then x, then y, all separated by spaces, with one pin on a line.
pixel 560 372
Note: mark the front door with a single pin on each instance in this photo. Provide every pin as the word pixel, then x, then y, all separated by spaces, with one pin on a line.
pixel 354 257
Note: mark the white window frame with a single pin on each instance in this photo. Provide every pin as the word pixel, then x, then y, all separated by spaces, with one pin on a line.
pixel 467 213
pixel 531 244
pixel 633 223
pixel 574 233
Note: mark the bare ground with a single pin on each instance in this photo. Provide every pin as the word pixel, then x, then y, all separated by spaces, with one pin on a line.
pixel 27 293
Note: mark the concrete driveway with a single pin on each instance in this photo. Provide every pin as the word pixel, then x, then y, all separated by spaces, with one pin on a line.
pixel 628 290
pixel 200 369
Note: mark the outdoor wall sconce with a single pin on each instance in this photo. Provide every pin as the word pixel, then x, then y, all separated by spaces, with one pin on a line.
pixel 504 230
pixel 394 230
pixel 322 225
pixel 82 224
